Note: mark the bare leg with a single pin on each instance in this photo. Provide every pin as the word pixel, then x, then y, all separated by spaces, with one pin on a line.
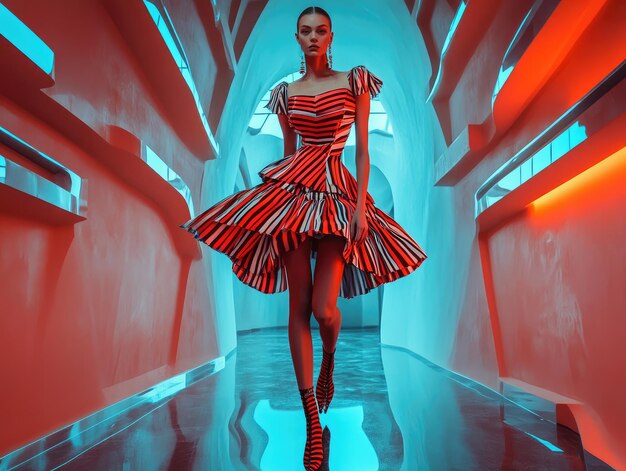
pixel 329 265
pixel 298 265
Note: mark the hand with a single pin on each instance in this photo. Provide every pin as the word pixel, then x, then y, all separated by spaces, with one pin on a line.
pixel 358 226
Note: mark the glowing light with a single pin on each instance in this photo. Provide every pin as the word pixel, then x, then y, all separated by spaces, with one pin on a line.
pixel 545 443
pixel 503 75
pixel 455 23
pixel 76 180
pixel 174 45
pixel 166 388
pixel 612 166
pixel 67 191
pixel 23 38
pixel 166 173
pixel 564 142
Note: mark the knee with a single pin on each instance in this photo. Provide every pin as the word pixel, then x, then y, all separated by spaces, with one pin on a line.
pixel 323 312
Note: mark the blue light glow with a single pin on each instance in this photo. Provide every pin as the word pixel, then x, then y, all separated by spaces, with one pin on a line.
pixel 545 443
pixel 504 74
pixel 171 177
pixel 453 26
pixel 166 388
pixel 563 143
pixel 76 181
pixel 168 33
pixel 23 38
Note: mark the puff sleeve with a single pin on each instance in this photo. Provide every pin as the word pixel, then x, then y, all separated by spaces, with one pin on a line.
pixel 362 81
pixel 278 99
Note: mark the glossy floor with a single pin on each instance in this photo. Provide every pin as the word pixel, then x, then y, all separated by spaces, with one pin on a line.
pixel 392 410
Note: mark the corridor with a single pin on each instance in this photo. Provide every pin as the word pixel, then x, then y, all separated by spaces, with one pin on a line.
pixel 457 167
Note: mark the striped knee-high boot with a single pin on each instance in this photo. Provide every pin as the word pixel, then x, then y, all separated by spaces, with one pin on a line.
pixel 313 451
pixel 325 388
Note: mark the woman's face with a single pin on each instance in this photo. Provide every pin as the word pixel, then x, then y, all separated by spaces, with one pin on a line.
pixel 313 31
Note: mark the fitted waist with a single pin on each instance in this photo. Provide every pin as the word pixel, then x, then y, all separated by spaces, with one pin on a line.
pixel 328 148
pixel 313 143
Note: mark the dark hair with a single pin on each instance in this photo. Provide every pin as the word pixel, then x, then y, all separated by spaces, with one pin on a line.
pixel 311 10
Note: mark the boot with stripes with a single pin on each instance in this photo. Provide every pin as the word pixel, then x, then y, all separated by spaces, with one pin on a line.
pixel 313 451
pixel 325 388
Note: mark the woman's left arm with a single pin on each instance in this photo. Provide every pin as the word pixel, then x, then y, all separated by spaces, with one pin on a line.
pixel 362 161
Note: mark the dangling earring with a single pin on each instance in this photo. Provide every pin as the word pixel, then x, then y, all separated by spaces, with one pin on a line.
pixel 302 65
pixel 330 60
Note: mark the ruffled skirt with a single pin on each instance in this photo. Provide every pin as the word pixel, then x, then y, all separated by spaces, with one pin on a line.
pixel 256 226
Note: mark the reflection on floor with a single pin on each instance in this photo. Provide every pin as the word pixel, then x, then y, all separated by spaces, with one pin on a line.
pixel 392 410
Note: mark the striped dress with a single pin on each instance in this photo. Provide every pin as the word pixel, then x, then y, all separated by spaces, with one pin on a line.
pixel 308 194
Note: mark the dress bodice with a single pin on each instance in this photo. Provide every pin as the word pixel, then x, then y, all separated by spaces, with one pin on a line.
pixel 327 116
pixel 323 121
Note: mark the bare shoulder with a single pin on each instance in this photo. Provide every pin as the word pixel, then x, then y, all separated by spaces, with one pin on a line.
pixel 291 88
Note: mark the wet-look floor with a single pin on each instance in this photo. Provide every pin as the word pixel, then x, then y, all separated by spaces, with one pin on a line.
pixel 391 410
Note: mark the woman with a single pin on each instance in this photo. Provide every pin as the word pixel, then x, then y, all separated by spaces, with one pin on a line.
pixel 310 206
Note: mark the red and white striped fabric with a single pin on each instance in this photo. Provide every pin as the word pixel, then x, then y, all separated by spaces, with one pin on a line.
pixel 308 194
